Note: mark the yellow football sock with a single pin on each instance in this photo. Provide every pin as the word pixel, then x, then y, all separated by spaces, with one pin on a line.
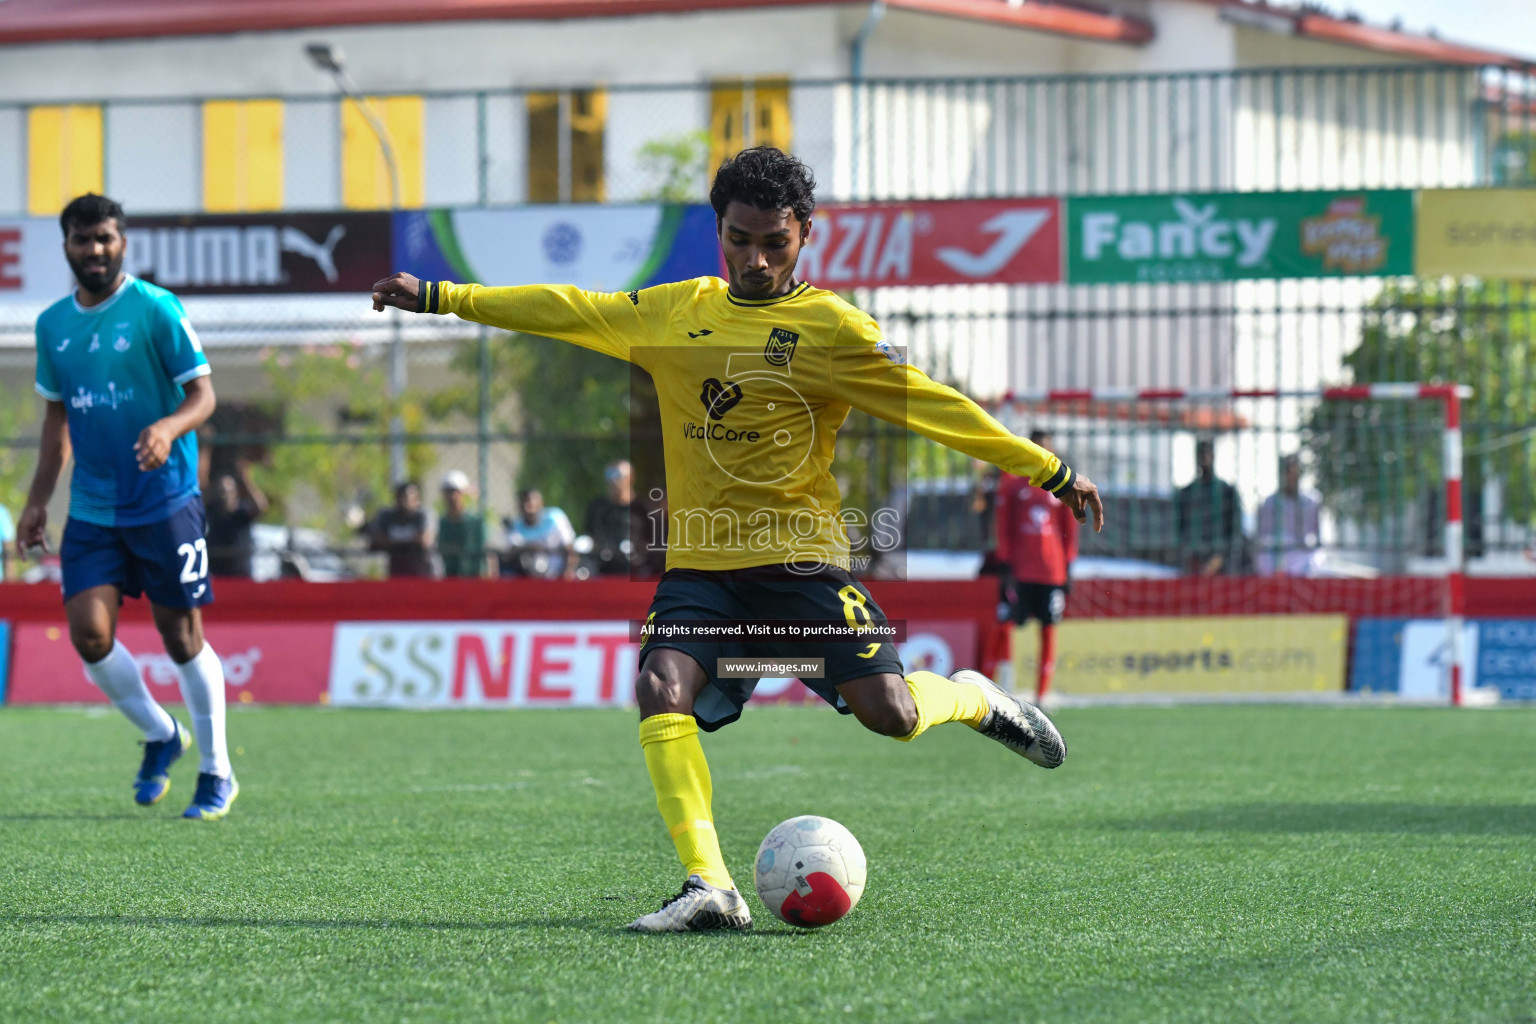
pixel 941 700
pixel 680 775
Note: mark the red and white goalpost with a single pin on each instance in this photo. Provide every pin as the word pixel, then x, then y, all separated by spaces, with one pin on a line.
pixel 1442 593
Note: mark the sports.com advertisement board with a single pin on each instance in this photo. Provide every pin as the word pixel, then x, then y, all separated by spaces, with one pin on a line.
pixel 957 241
pixel 1231 236
pixel 1222 654
pixel 282 663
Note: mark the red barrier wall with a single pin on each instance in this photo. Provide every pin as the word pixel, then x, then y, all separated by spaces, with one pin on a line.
pixel 294 600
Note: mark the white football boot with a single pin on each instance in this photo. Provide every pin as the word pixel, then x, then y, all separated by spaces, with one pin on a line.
pixel 700 907
pixel 1016 723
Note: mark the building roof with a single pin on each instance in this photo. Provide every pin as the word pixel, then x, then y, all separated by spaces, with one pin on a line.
pixel 1310 21
pixel 38 21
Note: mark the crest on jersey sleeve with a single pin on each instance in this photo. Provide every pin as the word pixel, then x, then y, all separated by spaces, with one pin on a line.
pixel 781 347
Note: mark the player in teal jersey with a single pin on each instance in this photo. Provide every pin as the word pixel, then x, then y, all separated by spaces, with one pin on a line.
pixel 127 383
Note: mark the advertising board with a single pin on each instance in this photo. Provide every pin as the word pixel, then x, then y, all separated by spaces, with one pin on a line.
pixel 278 662
pixel 546 664
pixel 1230 236
pixel 970 241
pixel 1409 657
pixel 1225 654
pixel 1486 232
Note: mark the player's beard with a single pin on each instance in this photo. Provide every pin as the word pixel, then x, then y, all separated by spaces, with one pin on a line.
pixel 765 287
pixel 98 277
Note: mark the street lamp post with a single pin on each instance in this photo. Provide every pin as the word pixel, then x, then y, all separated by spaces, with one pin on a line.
pixel 330 59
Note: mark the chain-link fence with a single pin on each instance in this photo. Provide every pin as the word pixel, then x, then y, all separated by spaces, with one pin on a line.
pixel 1290 128
pixel 305 382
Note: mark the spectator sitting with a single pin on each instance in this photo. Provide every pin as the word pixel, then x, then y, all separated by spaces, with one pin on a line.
pixel 460 532
pixel 540 541
pixel 237 504
pixel 1288 535
pixel 1208 518
pixel 405 532
pixel 611 520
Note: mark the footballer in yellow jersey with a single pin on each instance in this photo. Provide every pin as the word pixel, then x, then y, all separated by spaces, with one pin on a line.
pixel 754 377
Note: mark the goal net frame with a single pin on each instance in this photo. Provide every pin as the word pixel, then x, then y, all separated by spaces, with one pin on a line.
pixel 1448 396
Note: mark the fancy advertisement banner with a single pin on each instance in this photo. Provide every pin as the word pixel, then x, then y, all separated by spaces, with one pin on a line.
pixel 1230 236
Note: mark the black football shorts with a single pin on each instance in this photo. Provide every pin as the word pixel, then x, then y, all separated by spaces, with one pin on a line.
pixel 1046 603
pixel 766 593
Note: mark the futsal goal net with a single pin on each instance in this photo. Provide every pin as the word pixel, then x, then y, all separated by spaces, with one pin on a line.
pixel 1259 544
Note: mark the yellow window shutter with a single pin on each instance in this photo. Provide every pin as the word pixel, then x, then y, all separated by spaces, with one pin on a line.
pixel 364 173
pixel 64 159
pixel 242 155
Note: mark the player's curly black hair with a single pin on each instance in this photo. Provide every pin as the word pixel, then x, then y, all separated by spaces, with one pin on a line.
pixel 91 209
pixel 767 178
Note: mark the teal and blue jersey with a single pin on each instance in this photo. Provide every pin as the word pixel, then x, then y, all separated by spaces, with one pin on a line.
pixel 119 366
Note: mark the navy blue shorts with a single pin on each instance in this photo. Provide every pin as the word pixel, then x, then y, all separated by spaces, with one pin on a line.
pixel 766 593
pixel 166 560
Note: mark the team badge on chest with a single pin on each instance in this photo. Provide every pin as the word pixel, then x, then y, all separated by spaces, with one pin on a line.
pixel 781 347
pixel 120 340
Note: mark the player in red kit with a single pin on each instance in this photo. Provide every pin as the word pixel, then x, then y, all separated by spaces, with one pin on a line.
pixel 1036 545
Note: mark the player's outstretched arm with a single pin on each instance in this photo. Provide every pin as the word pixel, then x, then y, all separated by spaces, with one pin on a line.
pixel 606 322
pixel 873 377
pixel 52 453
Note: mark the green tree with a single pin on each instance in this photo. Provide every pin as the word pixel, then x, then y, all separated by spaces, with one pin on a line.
pixel 676 164
pixel 569 405
pixel 326 391
pixel 19 414
pixel 1375 459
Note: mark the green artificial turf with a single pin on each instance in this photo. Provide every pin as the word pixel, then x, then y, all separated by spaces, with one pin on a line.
pixel 1217 864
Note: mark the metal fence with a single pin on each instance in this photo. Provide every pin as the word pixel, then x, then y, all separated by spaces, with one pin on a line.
pixel 301 379
pixel 1283 128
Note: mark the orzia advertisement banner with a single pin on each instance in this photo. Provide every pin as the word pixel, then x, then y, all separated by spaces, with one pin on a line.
pixel 275 662
pixel 980 241
pixel 1230 236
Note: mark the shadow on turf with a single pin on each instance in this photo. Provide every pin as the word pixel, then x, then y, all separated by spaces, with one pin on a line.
pixel 1426 819
pixel 588 924
pixel 129 920
pixel 141 816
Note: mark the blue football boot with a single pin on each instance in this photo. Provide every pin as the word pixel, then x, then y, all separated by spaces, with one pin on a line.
pixel 154 780
pixel 213 797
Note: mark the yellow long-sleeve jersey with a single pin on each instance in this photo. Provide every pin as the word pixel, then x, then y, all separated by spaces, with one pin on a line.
pixel 752 394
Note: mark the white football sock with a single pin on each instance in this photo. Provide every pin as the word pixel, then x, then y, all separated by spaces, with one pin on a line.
pixel 117 676
pixel 202 687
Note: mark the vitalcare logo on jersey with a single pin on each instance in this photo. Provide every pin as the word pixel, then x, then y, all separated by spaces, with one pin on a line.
pixel 718 398
pixel 337 252
pixel 1016 241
